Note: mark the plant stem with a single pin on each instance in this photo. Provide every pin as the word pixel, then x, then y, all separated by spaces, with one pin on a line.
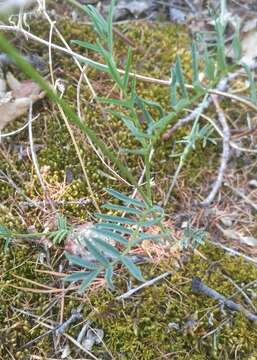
pixel 6 47
pixel 148 176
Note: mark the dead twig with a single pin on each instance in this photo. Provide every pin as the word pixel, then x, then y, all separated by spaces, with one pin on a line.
pixel 199 287
pixel 233 252
pixel 8 180
pixel 147 283
pixel 51 328
pixel 243 196
pixel 225 154
pixel 241 291
pixel 57 330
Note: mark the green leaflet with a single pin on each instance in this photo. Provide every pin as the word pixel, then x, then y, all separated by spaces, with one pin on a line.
pixel 86 45
pixel 123 103
pixel 76 260
pixel 138 134
pixel 112 235
pixel 4 232
pixel 154 105
pixel 252 83
pixel 117 219
pixel 108 277
pixel 152 222
pixel 76 276
pixel 173 88
pixel 195 68
pixel 126 199
pixel 6 235
pixel 113 227
pixel 104 246
pixel 121 208
pixel 127 69
pixel 147 116
pixel 88 279
pixel 97 254
pixel 236 43
pixel 99 23
pixel 111 65
pixel 146 236
pixel 109 25
pixel 180 78
pixel 209 67
pixel 133 269
pixel 142 152
pixel 221 57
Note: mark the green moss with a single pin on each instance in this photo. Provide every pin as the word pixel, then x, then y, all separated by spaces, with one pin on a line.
pixel 155 49
pixel 141 325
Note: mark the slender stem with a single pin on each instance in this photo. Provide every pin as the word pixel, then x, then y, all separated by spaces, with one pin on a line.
pixel 148 176
pixel 33 74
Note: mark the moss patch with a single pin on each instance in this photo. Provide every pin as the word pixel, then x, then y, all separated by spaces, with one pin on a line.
pixel 165 319
pixel 142 327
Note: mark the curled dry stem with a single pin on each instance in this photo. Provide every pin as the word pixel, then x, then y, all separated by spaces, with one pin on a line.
pixel 225 153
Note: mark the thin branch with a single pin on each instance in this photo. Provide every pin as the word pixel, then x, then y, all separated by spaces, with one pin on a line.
pixel 84 59
pixel 147 283
pixel 234 252
pixel 225 154
pixel 222 86
pixel 243 196
pixel 199 287
pixel 241 291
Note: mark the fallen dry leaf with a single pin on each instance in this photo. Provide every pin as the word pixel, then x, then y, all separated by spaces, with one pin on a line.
pixel 74 243
pixel 16 102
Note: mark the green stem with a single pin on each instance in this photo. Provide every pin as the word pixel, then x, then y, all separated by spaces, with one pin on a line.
pixel 148 175
pixel 27 69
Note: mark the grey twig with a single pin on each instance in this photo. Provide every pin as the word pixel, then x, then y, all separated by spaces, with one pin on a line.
pixel 233 251
pixel 147 283
pixel 76 315
pixel 243 196
pixel 80 202
pixel 199 287
pixel 57 330
pixel 83 331
pixel 187 119
pixel 9 181
pixel 225 153
pixel 241 291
